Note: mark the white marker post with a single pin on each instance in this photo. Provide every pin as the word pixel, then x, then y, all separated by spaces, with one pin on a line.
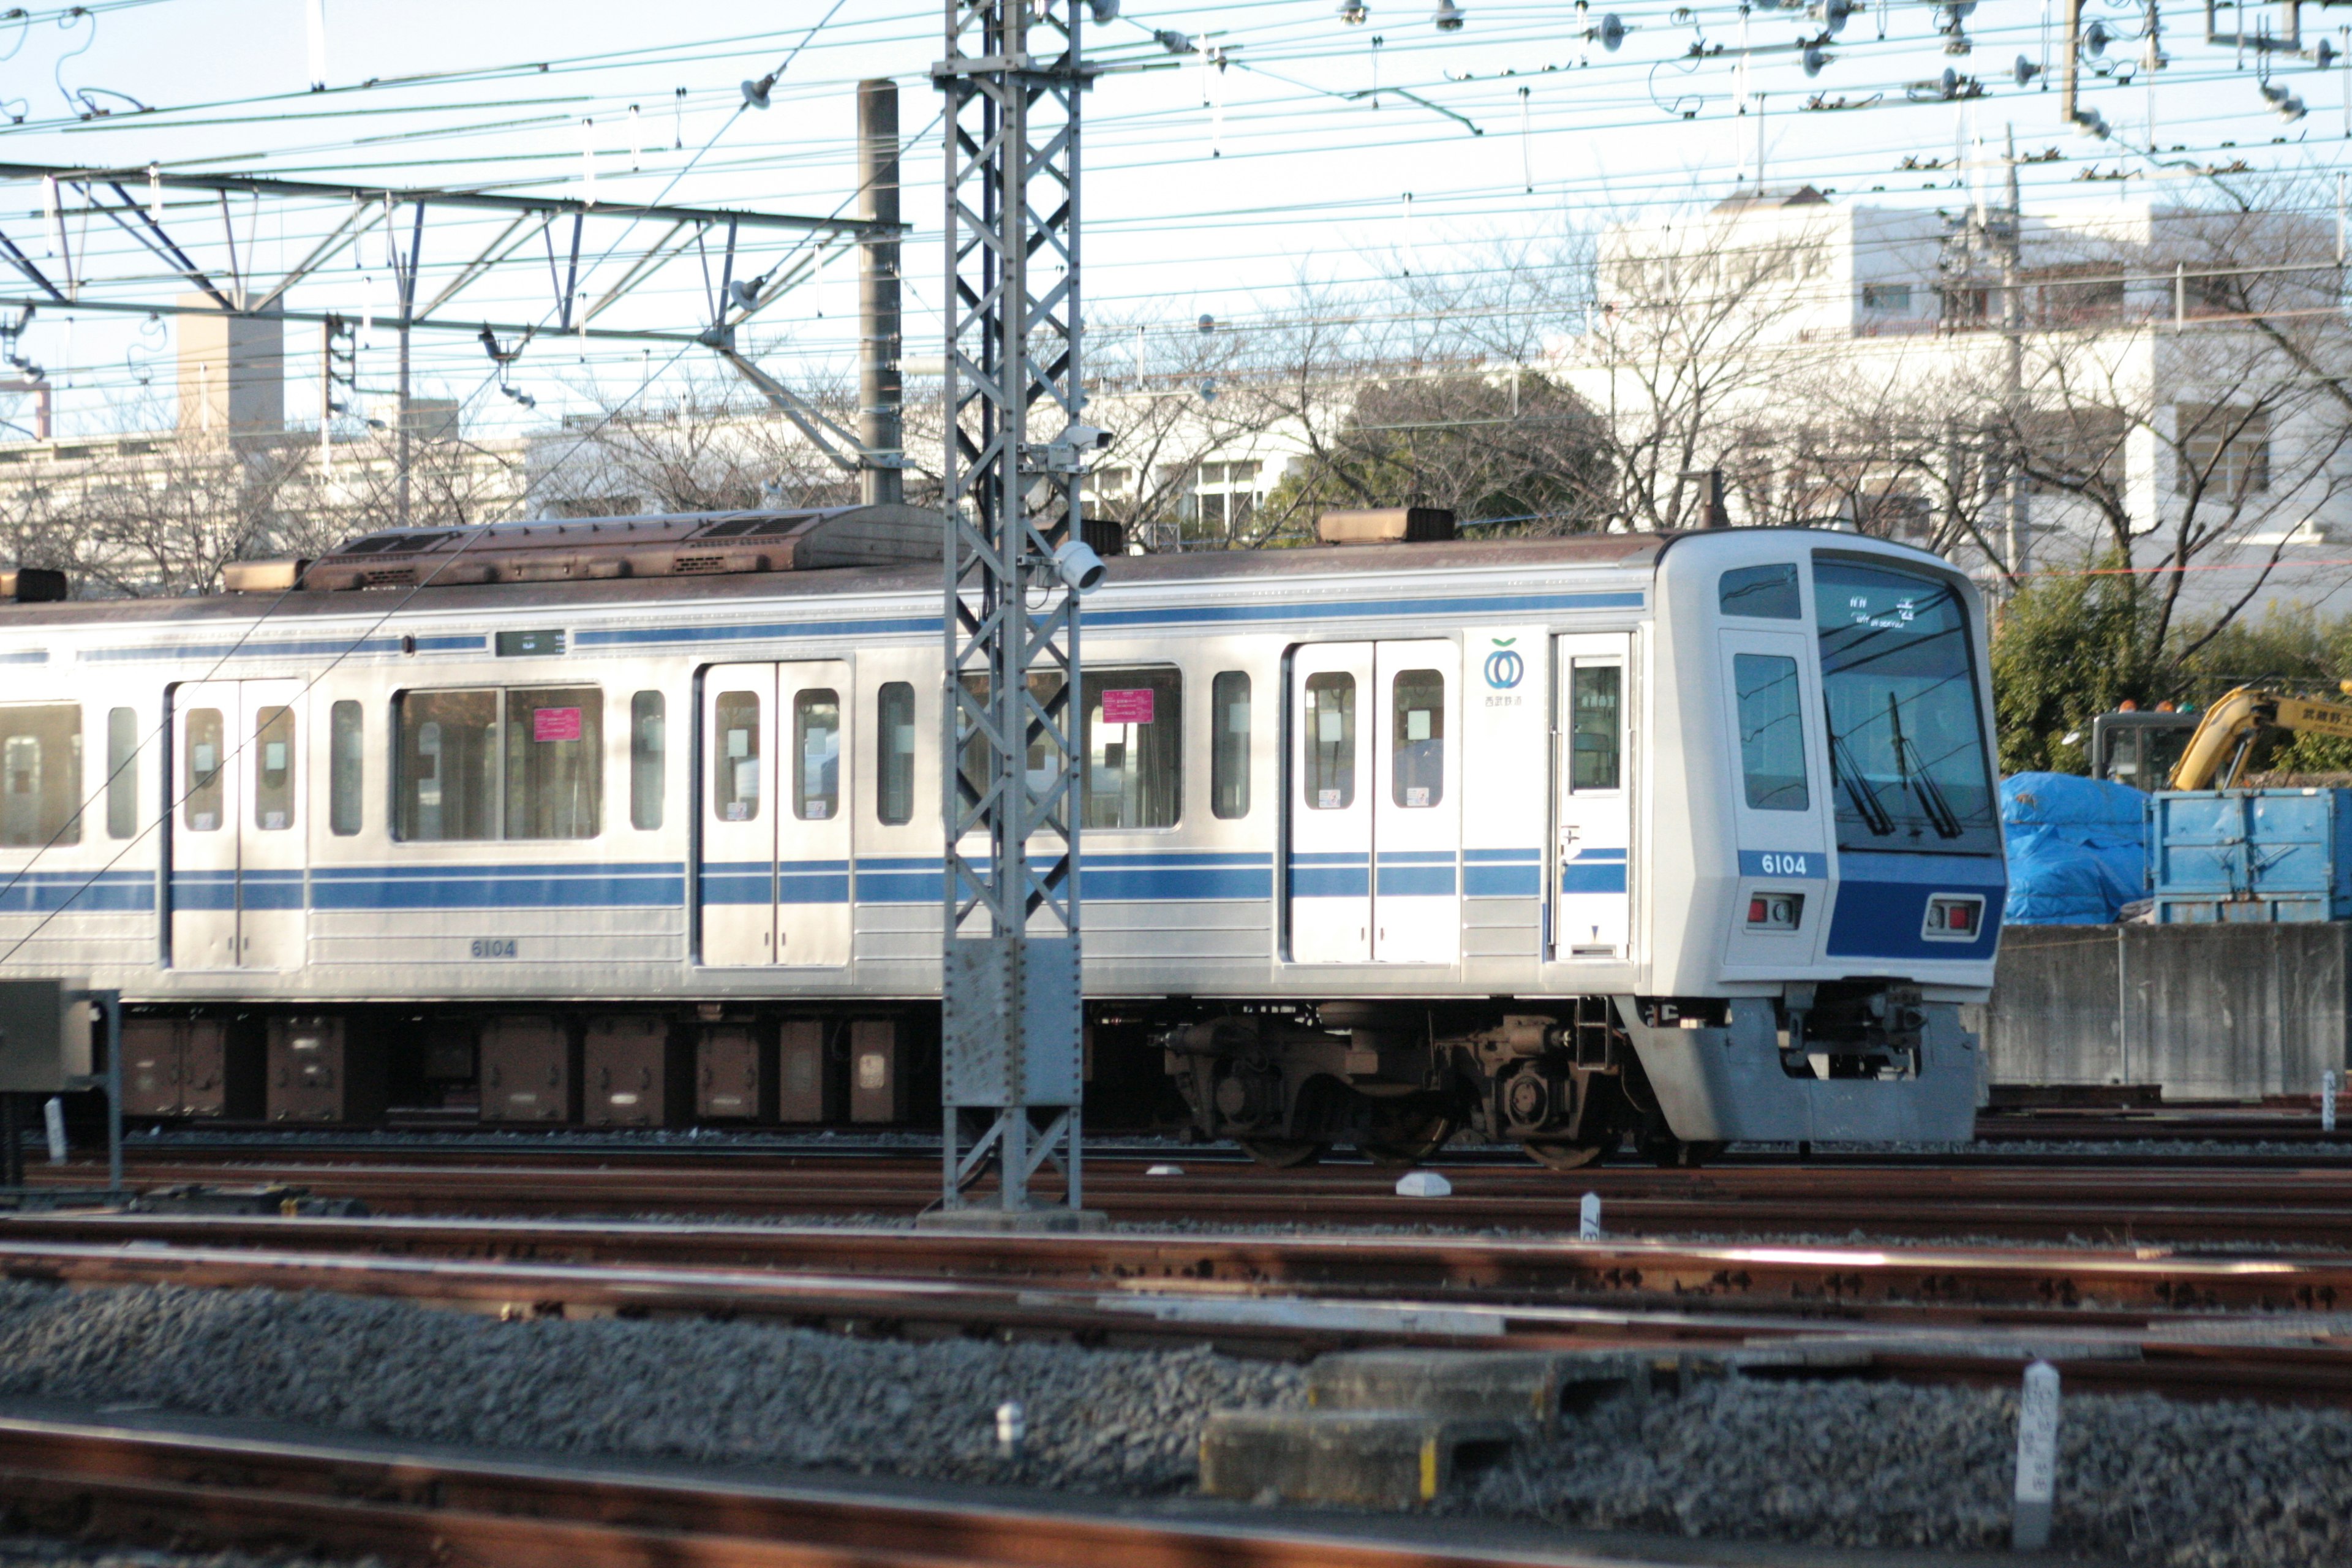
pixel 1588 1219
pixel 1012 1429
pixel 53 1120
pixel 2328 1081
pixel 2037 1457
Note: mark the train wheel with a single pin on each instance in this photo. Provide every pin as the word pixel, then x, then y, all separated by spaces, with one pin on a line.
pixel 1402 1141
pixel 1566 1155
pixel 1282 1154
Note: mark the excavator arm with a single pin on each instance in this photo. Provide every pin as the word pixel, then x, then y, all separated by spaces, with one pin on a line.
pixel 2218 747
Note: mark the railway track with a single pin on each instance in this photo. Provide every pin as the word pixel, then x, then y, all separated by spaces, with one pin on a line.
pixel 352 1498
pixel 2157 1202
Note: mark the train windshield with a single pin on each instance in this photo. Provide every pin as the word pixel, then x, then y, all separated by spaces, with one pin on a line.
pixel 1907 764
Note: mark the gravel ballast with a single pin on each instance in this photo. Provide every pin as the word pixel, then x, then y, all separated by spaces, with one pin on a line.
pixel 1856 1464
pixel 2141 1478
pixel 711 1393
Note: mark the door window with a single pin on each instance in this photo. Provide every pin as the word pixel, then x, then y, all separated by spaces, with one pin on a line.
pixel 203 790
pixel 1771 731
pixel 735 772
pixel 816 755
pixel 1597 726
pixel 273 770
pixel 1331 741
pixel 1418 739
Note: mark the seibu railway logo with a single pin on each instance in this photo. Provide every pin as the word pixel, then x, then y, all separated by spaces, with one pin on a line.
pixel 1505 668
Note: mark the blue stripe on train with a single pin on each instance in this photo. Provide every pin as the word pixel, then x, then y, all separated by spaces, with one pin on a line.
pixel 1502 873
pixel 77 892
pixel 1593 870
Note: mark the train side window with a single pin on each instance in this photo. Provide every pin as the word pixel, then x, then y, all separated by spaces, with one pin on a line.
pixel 1417 754
pixel 1597 721
pixel 1229 746
pixel 1134 747
pixel 40 775
pixel 735 772
pixel 894 753
pixel 1767 592
pixel 346 765
pixel 202 791
pixel 447 766
pixel 555 763
pixel 273 769
pixel 1331 741
pixel 648 745
pixel 1771 731
pixel 817 755
pixel 121 772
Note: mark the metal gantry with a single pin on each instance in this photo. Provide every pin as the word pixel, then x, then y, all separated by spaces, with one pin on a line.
pixel 1011 1051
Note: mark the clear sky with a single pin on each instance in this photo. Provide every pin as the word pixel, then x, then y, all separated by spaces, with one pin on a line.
pixel 1207 189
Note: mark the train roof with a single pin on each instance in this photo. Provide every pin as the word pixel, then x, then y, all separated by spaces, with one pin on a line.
pixel 1402 562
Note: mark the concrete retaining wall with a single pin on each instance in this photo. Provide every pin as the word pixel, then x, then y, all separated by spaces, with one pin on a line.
pixel 2207 1011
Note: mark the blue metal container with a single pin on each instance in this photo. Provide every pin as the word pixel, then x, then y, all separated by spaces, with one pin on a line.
pixel 2257 856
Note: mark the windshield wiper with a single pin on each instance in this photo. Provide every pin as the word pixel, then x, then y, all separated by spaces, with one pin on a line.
pixel 1846 772
pixel 1917 779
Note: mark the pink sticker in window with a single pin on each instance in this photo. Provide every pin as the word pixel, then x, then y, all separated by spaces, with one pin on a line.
pixel 1133 707
pixel 555 724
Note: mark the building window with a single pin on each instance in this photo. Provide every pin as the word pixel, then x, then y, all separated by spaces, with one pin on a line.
pixel 648 745
pixel 2226 451
pixel 40 775
pixel 1771 733
pixel 1229 746
pixel 346 758
pixel 516 764
pixel 1134 747
pixel 121 774
pixel 1331 741
pixel 1891 298
pixel 894 753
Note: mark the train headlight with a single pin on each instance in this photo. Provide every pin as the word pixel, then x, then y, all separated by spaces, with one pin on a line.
pixel 1775 911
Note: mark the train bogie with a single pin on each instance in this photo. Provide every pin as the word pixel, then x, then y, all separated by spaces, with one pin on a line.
pixel 1680 838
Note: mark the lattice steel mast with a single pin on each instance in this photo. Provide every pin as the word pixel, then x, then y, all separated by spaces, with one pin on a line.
pixel 1011 1053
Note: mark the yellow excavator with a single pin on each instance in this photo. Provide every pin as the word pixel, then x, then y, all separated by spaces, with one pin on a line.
pixel 2226 731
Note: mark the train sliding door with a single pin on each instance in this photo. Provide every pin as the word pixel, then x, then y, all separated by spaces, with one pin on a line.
pixel 1592 917
pixel 775 873
pixel 1373 859
pixel 238 856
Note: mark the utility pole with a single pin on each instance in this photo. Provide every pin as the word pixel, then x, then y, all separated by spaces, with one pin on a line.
pixel 404 281
pixel 880 429
pixel 1011 1006
pixel 2007 237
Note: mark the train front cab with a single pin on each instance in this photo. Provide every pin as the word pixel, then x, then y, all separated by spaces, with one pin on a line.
pixel 1846 901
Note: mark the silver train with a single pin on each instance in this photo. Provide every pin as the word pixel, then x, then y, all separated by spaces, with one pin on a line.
pixel 1689 838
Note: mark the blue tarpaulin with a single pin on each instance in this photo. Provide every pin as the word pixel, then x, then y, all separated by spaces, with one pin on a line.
pixel 2077 849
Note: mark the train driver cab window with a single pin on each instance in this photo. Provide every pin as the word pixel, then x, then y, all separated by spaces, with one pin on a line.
pixel 1771 731
pixel 202 792
pixel 273 770
pixel 894 748
pixel 735 777
pixel 1765 593
pixel 524 764
pixel 346 764
pixel 1331 741
pixel 1134 746
pixel 1418 760
pixel 40 775
pixel 1597 743
pixel 816 755
pixel 649 744
pixel 1229 746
